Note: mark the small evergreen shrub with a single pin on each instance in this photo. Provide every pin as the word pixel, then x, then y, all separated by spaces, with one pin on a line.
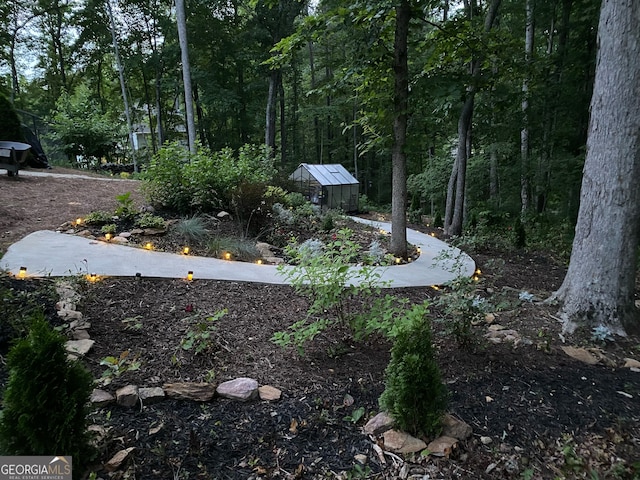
pixel 414 394
pixel 98 217
pixel 519 234
pixel 149 220
pixel 45 402
pixel 437 221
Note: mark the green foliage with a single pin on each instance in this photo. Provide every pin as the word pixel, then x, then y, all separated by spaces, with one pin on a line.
pixel 414 394
pixel 10 129
pixel 81 127
pixel 324 275
pixel 206 181
pixel 109 228
pixel 199 337
pixel 19 302
pixel 149 220
pixel 125 207
pixel 116 366
pixel 437 221
pixel 45 402
pixel 462 308
pixel 98 217
pixel 232 248
pixel 519 234
pixel 191 229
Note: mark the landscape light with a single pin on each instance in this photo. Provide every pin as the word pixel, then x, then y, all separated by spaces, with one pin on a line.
pixel 259 262
pixel 148 246
pixel 227 256
pixel 432 234
pixel 185 250
pixel 23 272
pixel 189 275
pixel 107 237
pixel 478 271
pixel 78 221
pixel 398 259
pixel 92 278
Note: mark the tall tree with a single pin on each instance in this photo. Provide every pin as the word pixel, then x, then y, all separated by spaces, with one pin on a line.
pixel 400 108
pixel 186 73
pixel 599 287
pixel 524 133
pixel 457 182
pixel 125 99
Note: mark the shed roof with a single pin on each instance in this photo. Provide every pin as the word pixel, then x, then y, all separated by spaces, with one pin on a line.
pixel 325 174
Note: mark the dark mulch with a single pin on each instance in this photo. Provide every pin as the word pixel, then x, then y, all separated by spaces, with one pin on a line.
pixel 548 416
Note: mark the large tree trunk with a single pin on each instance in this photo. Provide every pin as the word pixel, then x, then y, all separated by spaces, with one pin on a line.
pixel 598 289
pixel 186 73
pixel 398 157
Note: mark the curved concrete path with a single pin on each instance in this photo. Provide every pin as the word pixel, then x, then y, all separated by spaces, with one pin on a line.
pixel 47 253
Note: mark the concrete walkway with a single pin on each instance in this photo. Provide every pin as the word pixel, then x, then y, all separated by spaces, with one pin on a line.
pixel 47 253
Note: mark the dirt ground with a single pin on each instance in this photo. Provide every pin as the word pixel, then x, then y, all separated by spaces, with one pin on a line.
pixel 535 411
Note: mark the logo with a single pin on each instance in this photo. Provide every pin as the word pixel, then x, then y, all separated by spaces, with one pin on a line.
pixel 35 468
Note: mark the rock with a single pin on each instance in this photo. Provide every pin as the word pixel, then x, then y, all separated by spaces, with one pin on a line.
pixel 495 327
pixel 124 234
pixel 489 318
pixel 502 336
pixel 581 355
pixel 264 249
pixel 150 395
pixel 401 442
pixel 453 427
pixel 379 424
pixel 78 348
pixel 361 459
pixel 274 260
pixel 84 233
pixel 127 396
pixel 97 434
pixel 269 393
pixel 101 398
pixel 120 240
pixel 65 305
pixel 631 363
pixel 242 389
pixel 154 231
pixel 118 459
pixel 224 215
pixel 69 314
pixel 80 335
pixel 486 440
pixel 137 231
pixel 199 392
pixel 601 357
pixel 442 446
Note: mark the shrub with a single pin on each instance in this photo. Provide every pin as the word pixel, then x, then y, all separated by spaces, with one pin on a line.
pixel 206 180
pixel 191 229
pixel 10 128
pixel 414 394
pixel 45 403
pixel 109 228
pixel 149 220
pixel 98 217
pixel 323 274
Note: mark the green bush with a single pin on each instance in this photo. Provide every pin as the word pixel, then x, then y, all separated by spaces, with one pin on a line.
pixel 206 181
pixel 414 394
pixel 149 220
pixel 45 402
pixel 10 129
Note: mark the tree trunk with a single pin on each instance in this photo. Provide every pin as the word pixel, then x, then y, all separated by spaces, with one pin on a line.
pixel 524 133
pixel 456 188
pixel 283 123
pixel 123 87
pixel 186 73
pixel 272 96
pixel 398 245
pixel 599 287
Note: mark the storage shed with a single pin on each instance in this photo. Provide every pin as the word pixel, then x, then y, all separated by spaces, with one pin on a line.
pixel 330 186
